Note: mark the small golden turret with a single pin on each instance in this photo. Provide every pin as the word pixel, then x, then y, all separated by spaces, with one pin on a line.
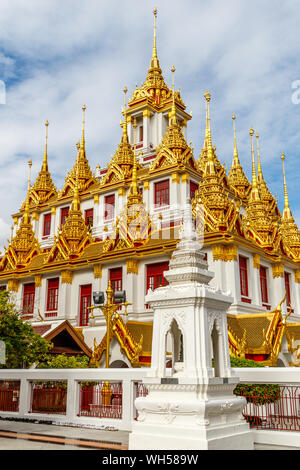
pixel 287 214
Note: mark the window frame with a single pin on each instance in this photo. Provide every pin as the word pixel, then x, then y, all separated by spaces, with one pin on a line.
pixel 159 199
pixel 28 298
pixel 55 282
pixel 109 214
pixel 47 221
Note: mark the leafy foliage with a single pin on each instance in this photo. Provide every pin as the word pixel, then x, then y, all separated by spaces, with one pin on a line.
pixel 61 361
pixel 23 346
pixel 258 394
pixel 237 362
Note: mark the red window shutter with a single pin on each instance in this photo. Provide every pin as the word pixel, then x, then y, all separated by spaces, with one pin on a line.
pixel 141 133
pixel 89 216
pixel 85 302
pixel 28 298
pixel 263 284
pixel 193 189
pixel 52 295
pixel 115 276
pixel 161 193
pixel 155 277
pixel 287 288
pixel 64 212
pixel 243 276
pixel 47 225
pixel 109 207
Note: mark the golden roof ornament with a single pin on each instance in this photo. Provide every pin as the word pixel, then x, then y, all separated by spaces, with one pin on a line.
pixel 74 235
pixel 236 177
pixel 258 223
pixel 289 230
pixel 133 226
pixel 173 151
pixel 154 90
pixel 81 168
pixel 121 165
pixel 265 193
pixel 207 146
pixel 43 189
pixel 24 246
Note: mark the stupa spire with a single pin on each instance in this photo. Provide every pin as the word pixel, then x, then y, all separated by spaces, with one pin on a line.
pixel 45 160
pixel 235 161
pixel 254 191
pixel 27 213
pixel 287 214
pixel 154 60
pixel 210 160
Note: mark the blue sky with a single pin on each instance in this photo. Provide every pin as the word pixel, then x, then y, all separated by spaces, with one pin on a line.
pixel 57 55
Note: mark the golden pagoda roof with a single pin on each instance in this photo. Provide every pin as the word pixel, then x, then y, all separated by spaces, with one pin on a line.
pixel 173 151
pixel 74 235
pixel 288 229
pixel 236 177
pixel 81 171
pixel 259 223
pixel 24 245
pixel 43 188
pixel 154 90
pixel 133 225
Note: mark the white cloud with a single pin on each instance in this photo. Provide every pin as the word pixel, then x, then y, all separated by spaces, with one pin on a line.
pixel 64 54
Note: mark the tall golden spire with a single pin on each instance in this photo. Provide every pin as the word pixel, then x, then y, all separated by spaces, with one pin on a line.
pixel 82 144
pixel 173 120
pixel 259 170
pixel 134 196
pixel 154 60
pixel 210 161
pixel 27 213
pixel 287 214
pixel 254 191
pixel 236 161
pixel 125 135
pixel 236 177
pixel 45 160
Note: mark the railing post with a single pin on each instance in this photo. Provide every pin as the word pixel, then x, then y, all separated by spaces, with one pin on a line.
pixel 71 399
pixel 127 404
pixel 25 397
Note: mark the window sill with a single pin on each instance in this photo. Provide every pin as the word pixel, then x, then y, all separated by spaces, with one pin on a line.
pixel 50 314
pixel 267 306
pixel 246 300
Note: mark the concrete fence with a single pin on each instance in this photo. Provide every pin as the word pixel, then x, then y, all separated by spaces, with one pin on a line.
pixel 105 397
pixel 73 378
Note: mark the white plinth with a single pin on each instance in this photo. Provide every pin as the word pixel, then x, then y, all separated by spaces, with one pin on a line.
pixel 190 416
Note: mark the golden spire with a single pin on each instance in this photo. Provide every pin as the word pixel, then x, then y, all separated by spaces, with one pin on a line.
pixel 154 60
pixel 45 160
pixel 259 170
pixel 173 120
pixel 27 213
pixel 125 135
pixel 286 211
pixel 235 162
pixel 210 161
pixel 82 144
pixel 134 196
pixel 254 192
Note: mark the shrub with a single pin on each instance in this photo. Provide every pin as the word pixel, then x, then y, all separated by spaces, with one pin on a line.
pixel 61 361
pixel 258 394
pixel 238 362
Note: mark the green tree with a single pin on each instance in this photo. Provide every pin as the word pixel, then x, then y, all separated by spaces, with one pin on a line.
pixel 23 346
pixel 61 361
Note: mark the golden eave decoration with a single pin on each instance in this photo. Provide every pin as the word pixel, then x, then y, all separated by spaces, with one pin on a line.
pixel 81 174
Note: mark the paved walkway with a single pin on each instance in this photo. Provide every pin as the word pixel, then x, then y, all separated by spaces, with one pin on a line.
pixel 18 435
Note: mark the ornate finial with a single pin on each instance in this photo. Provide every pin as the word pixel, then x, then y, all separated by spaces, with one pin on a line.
pixel 154 60
pixel 259 170
pixel 125 89
pixel 254 181
pixel 83 128
pixel 26 213
pixel 29 175
pixel 235 150
pixel 45 164
pixel 173 111
pixel 287 210
pixel 207 96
